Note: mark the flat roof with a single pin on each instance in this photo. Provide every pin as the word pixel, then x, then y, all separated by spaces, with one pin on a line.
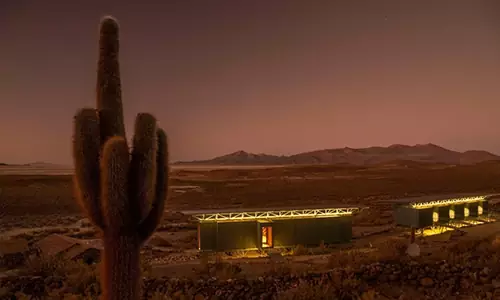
pixel 236 210
pixel 256 214
pixel 443 200
pixel 432 198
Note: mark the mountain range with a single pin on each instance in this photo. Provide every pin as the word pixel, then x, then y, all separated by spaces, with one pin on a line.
pixel 426 153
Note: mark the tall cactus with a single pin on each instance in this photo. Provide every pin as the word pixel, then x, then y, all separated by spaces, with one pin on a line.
pixel 122 193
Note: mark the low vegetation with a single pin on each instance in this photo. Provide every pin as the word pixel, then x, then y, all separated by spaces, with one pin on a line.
pixel 37 206
pixel 350 274
pixel 37 196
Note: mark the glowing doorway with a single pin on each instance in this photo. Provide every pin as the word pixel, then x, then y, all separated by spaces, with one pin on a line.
pixel 267 236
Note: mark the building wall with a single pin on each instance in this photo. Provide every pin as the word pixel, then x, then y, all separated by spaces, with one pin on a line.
pixel 421 218
pixel 444 213
pixel 237 235
pixel 311 232
pixel 406 216
pixel 412 217
pixel 425 217
pixel 473 208
pixel 485 207
pixel 207 234
pixel 228 236
pixel 459 211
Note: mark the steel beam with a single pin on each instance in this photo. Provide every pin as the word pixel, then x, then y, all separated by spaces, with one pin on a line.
pixel 427 204
pixel 281 214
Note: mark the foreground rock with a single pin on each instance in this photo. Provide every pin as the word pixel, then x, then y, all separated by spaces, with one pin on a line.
pixel 438 280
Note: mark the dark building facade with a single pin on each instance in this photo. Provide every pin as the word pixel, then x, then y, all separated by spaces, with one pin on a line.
pixel 429 211
pixel 256 230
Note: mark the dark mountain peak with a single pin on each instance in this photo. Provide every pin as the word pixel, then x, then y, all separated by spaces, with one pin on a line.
pixel 427 153
pixel 398 146
pixel 239 153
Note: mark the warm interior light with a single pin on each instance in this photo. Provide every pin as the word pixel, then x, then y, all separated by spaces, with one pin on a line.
pixel 435 230
pixel 474 222
pixel 480 209
pixel 435 216
pixel 452 213
pixel 267 236
pixel 466 212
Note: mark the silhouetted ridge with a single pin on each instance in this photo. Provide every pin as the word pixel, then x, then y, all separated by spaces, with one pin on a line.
pixel 424 153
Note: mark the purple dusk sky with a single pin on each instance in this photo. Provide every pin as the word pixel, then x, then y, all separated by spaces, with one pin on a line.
pixel 278 77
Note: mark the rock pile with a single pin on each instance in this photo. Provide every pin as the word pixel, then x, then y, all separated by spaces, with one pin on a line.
pixel 439 280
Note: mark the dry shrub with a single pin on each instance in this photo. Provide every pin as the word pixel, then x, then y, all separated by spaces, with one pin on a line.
pixel 146 268
pixel 305 291
pixel 462 251
pixel 239 253
pixel 351 258
pixel 300 250
pixel 189 241
pixel 26 236
pixel 279 268
pixel 161 296
pixel 45 266
pixel 84 234
pixel 391 250
pixel 339 287
pixel 77 277
pixel 218 267
pixel 204 260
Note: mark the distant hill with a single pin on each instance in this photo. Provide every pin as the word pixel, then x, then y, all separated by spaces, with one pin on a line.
pixel 423 153
pixel 41 164
pixel 38 164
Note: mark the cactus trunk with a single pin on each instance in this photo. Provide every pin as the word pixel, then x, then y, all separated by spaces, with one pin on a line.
pixel 121 273
pixel 122 192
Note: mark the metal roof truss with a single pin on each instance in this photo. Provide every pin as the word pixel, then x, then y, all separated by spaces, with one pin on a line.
pixel 447 202
pixel 281 214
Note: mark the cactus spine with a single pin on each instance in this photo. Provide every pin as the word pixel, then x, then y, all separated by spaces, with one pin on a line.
pixel 123 193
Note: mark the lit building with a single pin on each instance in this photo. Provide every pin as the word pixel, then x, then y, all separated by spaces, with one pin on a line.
pixel 257 229
pixel 446 210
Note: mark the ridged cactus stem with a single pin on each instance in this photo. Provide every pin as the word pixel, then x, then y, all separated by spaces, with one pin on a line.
pixel 123 193
pixel 121 273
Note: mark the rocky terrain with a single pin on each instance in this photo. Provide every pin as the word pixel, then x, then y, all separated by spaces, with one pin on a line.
pixel 428 153
pixel 382 280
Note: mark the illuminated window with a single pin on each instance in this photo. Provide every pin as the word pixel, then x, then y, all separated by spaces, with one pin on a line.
pixel 267 236
pixel 466 212
pixel 452 213
pixel 435 216
pixel 480 210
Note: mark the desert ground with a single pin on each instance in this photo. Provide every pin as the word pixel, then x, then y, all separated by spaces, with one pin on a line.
pixel 37 204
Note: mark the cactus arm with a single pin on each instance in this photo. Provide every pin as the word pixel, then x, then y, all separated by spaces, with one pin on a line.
pixel 108 88
pixel 148 226
pixel 115 202
pixel 122 193
pixel 143 171
pixel 86 149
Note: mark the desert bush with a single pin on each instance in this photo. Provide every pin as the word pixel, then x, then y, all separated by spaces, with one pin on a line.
pixel 85 234
pixel 11 261
pixel 279 269
pixel 189 241
pixel 305 291
pixel 218 267
pixel 59 279
pixel 300 250
pixel 351 257
pixel 326 290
